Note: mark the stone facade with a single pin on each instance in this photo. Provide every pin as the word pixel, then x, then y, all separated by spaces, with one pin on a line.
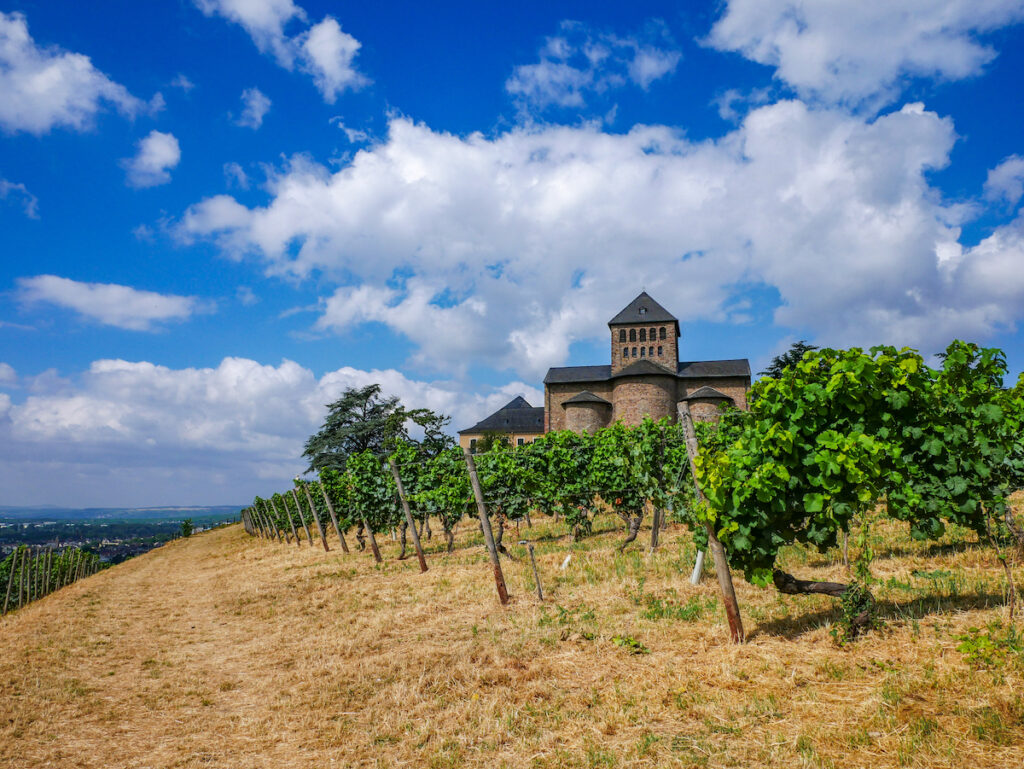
pixel 645 378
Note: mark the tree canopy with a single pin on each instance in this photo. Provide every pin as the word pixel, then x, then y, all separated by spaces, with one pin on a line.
pixel 363 420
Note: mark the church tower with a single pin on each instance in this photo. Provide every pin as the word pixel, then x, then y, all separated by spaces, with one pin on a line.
pixel 644 331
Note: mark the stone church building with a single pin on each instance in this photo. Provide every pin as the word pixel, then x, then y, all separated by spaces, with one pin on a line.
pixel 645 378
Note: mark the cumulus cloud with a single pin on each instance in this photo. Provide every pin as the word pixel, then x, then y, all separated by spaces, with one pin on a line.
pixel 45 87
pixel 505 250
pixel 228 432
pixel 109 304
pixel 18 193
pixel 327 53
pixel 157 154
pixel 1006 181
pixel 235 176
pixel 8 376
pixel 579 60
pixel 182 82
pixel 255 105
pixel 857 53
pixel 322 50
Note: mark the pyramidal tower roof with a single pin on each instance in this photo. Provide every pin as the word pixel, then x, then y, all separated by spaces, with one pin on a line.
pixel 643 309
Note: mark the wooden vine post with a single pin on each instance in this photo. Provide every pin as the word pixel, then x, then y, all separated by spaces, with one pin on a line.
pixel 334 518
pixel 408 514
pixel 373 539
pixel 10 579
pixel 485 524
pixel 288 515
pixel 319 526
pixel 732 609
pixel 302 518
pixel 273 522
pixel 272 515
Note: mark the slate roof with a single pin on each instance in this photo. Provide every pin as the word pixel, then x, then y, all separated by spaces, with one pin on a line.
pixel 578 374
pixel 706 392
pixel 586 397
pixel 699 369
pixel 652 312
pixel 516 416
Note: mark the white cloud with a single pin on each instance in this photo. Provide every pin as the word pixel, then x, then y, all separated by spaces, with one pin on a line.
pixel 19 193
pixel 8 376
pixel 246 296
pixel 195 435
pixel 182 82
pixel 327 54
pixel 858 53
pixel 504 250
pixel 235 176
pixel 579 60
pixel 157 154
pixel 46 87
pixel 322 50
pixel 109 303
pixel 1006 181
pixel 255 104
pixel 264 20
pixel 353 135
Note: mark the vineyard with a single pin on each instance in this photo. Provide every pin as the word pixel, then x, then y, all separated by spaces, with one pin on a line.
pixel 548 605
pixel 836 444
pixel 30 575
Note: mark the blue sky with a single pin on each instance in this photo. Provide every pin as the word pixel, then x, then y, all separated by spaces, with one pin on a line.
pixel 217 214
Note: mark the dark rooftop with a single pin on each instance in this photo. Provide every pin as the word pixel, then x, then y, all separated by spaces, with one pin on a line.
pixel 699 369
pixel 586 397
pixel 516 416
pixel 706 392
pixel 643 309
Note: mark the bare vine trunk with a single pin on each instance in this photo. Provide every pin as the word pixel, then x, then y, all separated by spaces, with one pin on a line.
pixel 633 523
pixel 790 585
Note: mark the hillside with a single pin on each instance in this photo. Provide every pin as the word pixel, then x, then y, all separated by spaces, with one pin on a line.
pixel 226 651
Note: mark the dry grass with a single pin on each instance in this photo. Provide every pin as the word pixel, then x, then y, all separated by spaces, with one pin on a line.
pixel 223 651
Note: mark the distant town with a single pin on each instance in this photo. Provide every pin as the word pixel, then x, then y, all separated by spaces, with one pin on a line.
pixel 114 534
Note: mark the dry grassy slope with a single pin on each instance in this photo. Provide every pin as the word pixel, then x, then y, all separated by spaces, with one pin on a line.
pixel 223 651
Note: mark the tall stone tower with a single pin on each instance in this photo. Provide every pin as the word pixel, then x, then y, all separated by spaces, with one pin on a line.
pixel 644 330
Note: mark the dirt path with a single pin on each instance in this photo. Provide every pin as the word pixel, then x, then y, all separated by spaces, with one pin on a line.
pixel 149 664
pixel 234 653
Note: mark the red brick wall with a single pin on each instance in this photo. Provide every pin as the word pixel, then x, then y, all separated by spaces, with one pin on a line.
pixel 587 417
pixel 637 397
pixel 670 346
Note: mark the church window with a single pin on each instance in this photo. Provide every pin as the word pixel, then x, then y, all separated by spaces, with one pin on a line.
pixel 650 352
pixel 642 351
pixel 625 352
pixel 653 332
pixel 660 350
pixel 634 352
pixel 622 335
pixel 519 442
pixel 643 335
pixel 472 445
pixel 662 334
pixel 632 335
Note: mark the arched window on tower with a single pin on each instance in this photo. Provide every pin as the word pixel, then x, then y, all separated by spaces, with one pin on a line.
pixel 642 351
pixel 653 332
pixel 643 335
pixel 625 352
pixel 662 334
pixel 661 350
pixel 634 352
pixel 622 335
pixel 650 352
pixel 632 335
